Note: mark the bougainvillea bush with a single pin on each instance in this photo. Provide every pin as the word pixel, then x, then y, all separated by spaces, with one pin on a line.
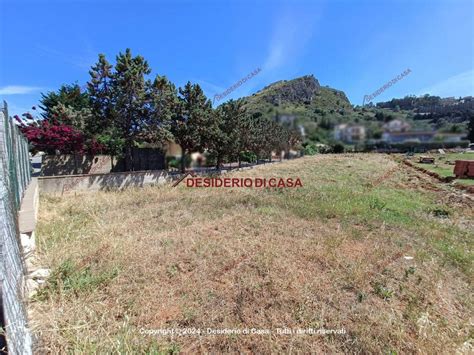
pixel 52 137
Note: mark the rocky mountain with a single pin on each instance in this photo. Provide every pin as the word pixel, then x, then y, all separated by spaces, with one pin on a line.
pixel 302 103
pixel 302 90
pixel 304 93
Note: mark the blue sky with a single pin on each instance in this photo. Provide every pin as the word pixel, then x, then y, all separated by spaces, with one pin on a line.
pixel 354 46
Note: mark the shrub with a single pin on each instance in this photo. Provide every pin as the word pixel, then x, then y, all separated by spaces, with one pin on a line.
pixel 50 138
pixel 310 149
pixel 338 148
pixel 175 162
pixel 324 149
pixel 248 157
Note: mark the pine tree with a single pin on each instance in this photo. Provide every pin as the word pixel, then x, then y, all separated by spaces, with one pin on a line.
pixel 130 99
pixel 234 128
pixel 100 94
pixel 163 103
pixel 245 129
pixel 259 135
pixel 191 125
pixel 69 96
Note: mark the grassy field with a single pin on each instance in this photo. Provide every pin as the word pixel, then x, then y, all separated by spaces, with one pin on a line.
pixel 444 165
pixel 366 245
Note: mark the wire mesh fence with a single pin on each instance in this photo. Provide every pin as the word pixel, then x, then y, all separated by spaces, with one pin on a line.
pixel 15 174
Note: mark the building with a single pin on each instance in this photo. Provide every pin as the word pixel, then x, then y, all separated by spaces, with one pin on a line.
pixel 398 131
pixel 349 133
pixel 396 126
pixel 414 136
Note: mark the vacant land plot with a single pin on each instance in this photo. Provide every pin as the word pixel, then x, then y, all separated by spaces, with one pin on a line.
pixel 366 245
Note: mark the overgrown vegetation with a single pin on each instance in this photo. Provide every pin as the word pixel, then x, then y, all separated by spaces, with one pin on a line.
pixel 366 244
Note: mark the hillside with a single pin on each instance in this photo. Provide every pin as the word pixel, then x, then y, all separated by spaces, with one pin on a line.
pixel 302 95
pixel 303 103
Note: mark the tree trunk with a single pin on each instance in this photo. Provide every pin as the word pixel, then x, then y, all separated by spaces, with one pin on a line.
pixel 183 161
pixel 111 163
pixel 128 158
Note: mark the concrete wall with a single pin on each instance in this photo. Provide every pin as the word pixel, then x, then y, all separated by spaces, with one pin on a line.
pixel 69 164
pixel 96 182
pixel 74 164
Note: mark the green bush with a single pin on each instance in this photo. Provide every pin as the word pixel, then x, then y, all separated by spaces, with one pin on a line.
pixel 310 149
pixel 338 148
pixel 416 146
pixel 175 162
pixel 247 156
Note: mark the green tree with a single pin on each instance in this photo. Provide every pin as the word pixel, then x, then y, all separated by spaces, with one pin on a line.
pixel 191 125
pixel 69 96
pixel 275 138
pixel 101 96
pixel 266 136
pixel 293 140
pixel 163 103
pixel 71 107
pixel 226 140
pixel 245 133
pixel 129 90
pixel 256 139
pixel 70 116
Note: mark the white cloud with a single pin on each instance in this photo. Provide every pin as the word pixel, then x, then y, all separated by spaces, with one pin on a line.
pixel 81 59
pixel 458 85
pixel 18 90
pixel 292 32
pixel 209 87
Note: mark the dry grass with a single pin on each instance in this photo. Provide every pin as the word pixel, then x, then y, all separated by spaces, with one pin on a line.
pixel 330 254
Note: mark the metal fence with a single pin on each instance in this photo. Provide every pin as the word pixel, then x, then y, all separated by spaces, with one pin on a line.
pixel 15 174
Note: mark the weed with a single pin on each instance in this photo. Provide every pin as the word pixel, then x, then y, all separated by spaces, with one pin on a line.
pixel 382 291
pixel 172 270
pixel 361 296
pixel 440 212
pixel 68 277
pixel 409 271
pixel 376 204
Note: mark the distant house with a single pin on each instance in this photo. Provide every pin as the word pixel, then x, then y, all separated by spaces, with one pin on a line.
pixel 398 131
pixel 414 136
pixel 396 126
pixel 349 133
